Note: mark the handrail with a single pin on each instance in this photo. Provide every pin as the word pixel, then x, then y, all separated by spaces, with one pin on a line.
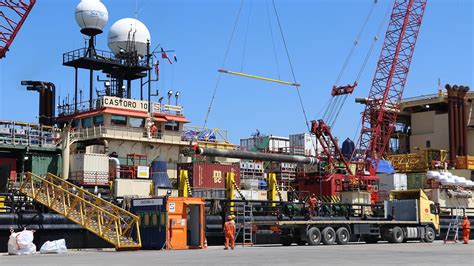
pixel 106 216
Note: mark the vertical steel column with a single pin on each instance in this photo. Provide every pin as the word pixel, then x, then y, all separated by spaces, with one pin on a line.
pixel 75 89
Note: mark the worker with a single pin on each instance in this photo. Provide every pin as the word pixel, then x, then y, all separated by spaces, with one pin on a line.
pixel 229 232
pixel 153 130
pixel 466 229
pixel 312 205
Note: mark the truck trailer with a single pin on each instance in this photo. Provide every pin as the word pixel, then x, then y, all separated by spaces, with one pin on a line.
pixel 408 215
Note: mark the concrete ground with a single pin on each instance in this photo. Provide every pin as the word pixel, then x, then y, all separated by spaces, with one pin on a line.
pixel 354 254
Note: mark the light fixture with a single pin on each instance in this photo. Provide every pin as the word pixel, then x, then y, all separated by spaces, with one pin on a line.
pixel 107 83
pixel 176 96
pixel 170 93
pixel 427 106
pixel 26 158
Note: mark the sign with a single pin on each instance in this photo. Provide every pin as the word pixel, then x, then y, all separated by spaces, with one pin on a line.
pixel 143 172
pixel 122 103
pixel 172 207
pixel 174 108
pixel 147 202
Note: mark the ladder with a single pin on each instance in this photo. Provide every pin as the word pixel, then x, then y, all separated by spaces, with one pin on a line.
pixel 453 228
pixel 104 219
pixel 247 238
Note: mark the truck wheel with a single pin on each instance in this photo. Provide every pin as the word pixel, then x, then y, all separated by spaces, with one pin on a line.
pixel 396 236
pixel 328 236
pixel 429 235
pixel 342 236
pixel 314 236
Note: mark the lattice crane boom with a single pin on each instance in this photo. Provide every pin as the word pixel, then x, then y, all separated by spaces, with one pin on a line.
pixel 383 103
pixel 12 15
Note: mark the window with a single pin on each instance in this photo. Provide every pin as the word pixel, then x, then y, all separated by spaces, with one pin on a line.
pixel 137 122
pixel 118 120
pixel 98 120
pixel 87 122
pixel 428 144
pixel 75 123
pixel 172 126
pixel 433 209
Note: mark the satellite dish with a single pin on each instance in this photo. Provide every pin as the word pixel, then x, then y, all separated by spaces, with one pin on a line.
pixel 91 16
pixel 129 35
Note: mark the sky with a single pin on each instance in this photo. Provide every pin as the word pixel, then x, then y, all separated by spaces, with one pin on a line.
pixel 318 34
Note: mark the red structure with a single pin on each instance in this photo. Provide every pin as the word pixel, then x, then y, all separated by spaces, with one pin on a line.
pixel 12 16
pixel 382 105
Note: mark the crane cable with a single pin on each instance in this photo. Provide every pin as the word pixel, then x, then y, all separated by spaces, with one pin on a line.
pixel 291 65
pixel 336 103
pixel 223 63
pixel 273 40
pixel 364 64
pixel 246 36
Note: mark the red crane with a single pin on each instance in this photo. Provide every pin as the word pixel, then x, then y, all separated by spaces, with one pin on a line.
pixel 383 102
pixel 12 16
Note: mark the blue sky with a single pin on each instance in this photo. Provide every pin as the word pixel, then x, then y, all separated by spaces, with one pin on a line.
pixel 319 34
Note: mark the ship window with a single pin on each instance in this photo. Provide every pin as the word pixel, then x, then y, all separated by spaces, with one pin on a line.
pixel 172 126
pixel 98 120
pixel 75 123
pixel 137 122
pixel 118 120
pixel 87 122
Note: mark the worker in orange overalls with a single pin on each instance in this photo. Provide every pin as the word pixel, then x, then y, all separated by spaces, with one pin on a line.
pixel 466 229
pixel 229 232
pixel 312 205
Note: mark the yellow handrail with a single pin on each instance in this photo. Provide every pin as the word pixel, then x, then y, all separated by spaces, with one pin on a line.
pixel 49 193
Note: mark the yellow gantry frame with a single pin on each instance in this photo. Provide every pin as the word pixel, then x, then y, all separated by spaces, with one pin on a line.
pixel 230 179
pixel 258 77
pixel 272 188
pixel 183 184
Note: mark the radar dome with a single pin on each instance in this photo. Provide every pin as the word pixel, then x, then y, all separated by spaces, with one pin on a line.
pixel 91 16
pixel 128 35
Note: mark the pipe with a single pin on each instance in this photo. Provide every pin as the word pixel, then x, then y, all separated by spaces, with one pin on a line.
pixel 455 119
pixel 452 154
pixel 66 149
pixel 117 166
pixel 464 90
pixel 255 156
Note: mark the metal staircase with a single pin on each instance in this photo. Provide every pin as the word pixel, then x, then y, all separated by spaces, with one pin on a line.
pixel 104 219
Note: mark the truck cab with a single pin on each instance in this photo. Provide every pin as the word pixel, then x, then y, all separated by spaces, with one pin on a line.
pixel 426 211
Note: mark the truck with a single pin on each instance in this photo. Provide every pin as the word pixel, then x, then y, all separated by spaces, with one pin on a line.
pixel 407 215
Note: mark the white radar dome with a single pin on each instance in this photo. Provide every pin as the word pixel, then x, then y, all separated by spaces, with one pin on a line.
pixel 91 16
pixel 127 35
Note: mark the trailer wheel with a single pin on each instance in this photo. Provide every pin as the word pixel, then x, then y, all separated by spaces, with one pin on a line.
pixel 429 235
pixel 328 236
pixel 342 236
pixel 396 235
pixel 314 236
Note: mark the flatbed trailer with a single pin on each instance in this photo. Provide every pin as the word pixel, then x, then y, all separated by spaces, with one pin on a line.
pixel 409 215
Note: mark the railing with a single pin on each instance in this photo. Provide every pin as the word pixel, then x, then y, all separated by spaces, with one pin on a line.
pixel 125 133
pixel 106 56
pixel 106 220
pixel 28 134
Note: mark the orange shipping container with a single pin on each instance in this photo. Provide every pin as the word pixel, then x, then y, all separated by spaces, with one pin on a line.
pixel 210 175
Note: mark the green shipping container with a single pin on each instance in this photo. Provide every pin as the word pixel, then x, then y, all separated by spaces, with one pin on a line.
pixel 416 180
pixel 43 163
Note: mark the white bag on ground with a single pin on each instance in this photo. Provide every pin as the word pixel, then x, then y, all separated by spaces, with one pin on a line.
pixel 21 243
pixel 56 246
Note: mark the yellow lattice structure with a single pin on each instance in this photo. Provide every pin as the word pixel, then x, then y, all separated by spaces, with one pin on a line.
pixel 104 219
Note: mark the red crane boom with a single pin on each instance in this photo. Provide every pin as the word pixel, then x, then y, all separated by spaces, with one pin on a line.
pixel 383 103
pixel 12 16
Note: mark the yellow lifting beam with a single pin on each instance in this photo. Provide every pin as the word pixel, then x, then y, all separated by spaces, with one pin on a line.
pixel 258 77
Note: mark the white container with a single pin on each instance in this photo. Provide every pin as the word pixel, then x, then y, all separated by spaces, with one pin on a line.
pixel 249 183
pixel 389 182
pixel 132 187
pixel 304 144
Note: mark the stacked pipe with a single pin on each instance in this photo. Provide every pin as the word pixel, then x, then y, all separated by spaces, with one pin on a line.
pixel 457 120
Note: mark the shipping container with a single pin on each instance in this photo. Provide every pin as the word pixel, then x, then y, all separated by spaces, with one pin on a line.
pixel 304 144
pixel 416 180
pixel 11 162
pixel 265 144
pixel 43 163
pixel 389 182
pixel 90 169
pixel 210 175
pixel 139 188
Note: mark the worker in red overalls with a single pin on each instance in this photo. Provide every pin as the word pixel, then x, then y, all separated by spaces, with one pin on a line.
pixel 229 232
pixel 466 229
pixel 312 202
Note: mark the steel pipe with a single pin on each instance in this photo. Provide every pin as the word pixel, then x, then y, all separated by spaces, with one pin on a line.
pixel 248 155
